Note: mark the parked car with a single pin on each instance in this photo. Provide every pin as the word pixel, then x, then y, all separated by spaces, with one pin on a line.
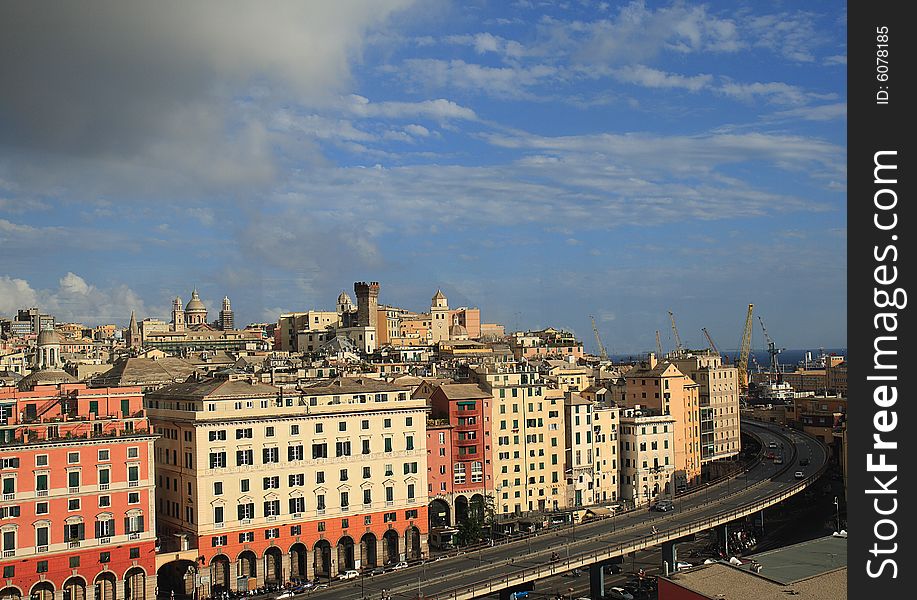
pixel 399 566
pixel 617 593
pixel 679 565
pixel 772 445
pixel 664 506
pixel 376 571
pixel 799 475
pixel 778 461
pixel 350 574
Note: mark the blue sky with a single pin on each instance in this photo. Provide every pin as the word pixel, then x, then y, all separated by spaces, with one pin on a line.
pixel 542 161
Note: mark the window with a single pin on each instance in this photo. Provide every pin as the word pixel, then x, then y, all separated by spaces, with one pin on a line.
pixel 367 496
pixel 408 421
pixel 133 524
pixel 295 453
pixel 409 442
pixel 390 517
pixel 245 433
pixel 268 432
pixel 9 571
pixel 270 455
pixel 318 428
pixel 343 474
pixel 105 528
pixel 246 511
pixel 271 483
pixel 388 444
pixel 246 536
pixel 365 444
pixel 319 450
pixel 41 508
pixel 389 494
pixel 387 423
pixel 319 477
pixel 270 534
pixel 342 448
pixel 367 472
pixel 294 429
pixel 389 471
pixel 134 553
pixel 271 508
pixel 320 502
pixel 410 514
pixel 40 567
pixel 73 504
pixel 296 530
pixel 133 452
pixel 73 532
pixel 104 455
pixel 364 424
pixel 41 460
pixel 218 540
pixel 133 475
pixel 345 499
pixel 217 488
pixel 410 491
pixel 368 520
pixel 73 458
pixel 297 505
pixel 297 479
pixel 219 435
pixel 321 525
pixel 218 460
pixel 217 514
pixel 342 425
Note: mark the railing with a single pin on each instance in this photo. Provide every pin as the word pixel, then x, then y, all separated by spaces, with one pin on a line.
pixel 8 553
pixel 133 536
pixel 104 486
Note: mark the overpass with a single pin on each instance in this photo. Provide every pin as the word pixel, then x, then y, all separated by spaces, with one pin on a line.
pixel 519 564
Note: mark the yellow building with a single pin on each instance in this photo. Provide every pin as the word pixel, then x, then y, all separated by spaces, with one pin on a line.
pixel 719 404
pixel 661 386
pixel 271 484
pixel 647 455
pixel 527 429
pixel 606 428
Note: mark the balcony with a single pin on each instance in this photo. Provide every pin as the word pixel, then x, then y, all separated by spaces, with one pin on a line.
pixel 219 524
pixel 41 493
pixel 133 536
pixel 105 540
pixel 246 521
pixel 73 544
pixel 271 517
pixel 133 484
pixel 41 549
pixel 8 553
pixel 9 496
pixel 104 486
pixel 73 490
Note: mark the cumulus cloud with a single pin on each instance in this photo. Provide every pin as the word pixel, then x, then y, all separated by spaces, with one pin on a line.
pixel 74 299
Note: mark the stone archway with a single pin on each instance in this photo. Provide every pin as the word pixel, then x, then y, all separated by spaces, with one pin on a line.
pixel 392 552
pixel 346 558
pixel 461 509
pixel 298 564
pixel 135 584
pixel 106 586
pixel 247 564
pixel 10 593
pixel 74 589
pixel 273 566
pixel 43 590
pixel 439 513
pixel 368 548
pixel 177 576
pixel 322 558
pixel 412 543
pixel 219 575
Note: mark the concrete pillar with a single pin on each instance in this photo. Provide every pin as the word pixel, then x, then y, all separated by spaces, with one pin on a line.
pixel 670 552
pixel 260 569
pixel 597 580
pixel 310 564
pixel 722 538
pixel 149 588
pixel 286 567
pixel 425 544
pixel 381 551
pixel 333 570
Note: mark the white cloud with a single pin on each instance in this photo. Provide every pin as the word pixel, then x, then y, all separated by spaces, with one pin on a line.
pixel 654 78
pixel 500 82
pixel 775 92
pixel 824 112
pixel 439 109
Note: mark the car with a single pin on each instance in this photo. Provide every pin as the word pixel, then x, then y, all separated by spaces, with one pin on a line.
pixel 679 565
pixel 399 566
pixel 804 462
pixel 617 593
pixel 778 461
pixel 772 445
pixel 377 571
pixel 615 569
pixel 664 506
pixel 573 573
pixel 350 574
pixel 799 475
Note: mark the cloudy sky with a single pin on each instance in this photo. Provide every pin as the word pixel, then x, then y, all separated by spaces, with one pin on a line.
pixel 544 161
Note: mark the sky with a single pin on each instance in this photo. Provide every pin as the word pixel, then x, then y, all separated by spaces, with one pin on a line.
pixel 543 161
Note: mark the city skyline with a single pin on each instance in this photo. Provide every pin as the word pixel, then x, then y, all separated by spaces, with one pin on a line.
pixel 541 163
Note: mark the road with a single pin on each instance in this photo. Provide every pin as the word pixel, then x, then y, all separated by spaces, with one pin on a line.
pixel 456 575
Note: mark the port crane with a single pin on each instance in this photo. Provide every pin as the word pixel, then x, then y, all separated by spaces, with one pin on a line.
pixel 710 340
pixel 744 349
pixel 773 351
pixel 658 347
pixel 678 348
pixel 598 340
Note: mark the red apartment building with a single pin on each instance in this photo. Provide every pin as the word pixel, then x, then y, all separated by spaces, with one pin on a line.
pixel 460 469
pixel 76 514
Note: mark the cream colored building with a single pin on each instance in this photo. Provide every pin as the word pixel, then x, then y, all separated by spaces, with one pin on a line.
pixel 580 455
pixel 719 404
pixel 292 324
pixel 606 429
pixel 664 388
pixel 647 455
pixel 527 430
pixel 271 484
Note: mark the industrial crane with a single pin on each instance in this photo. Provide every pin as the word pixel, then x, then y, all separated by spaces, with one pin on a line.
pixel 710 340
pixel 658 346
pixel 598 340
pixel 678 349
pixel 744 349
pixel 773 351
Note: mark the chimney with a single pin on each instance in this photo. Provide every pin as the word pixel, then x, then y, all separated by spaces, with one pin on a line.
pixel 651 359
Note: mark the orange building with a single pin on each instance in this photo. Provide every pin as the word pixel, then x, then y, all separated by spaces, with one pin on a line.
pixel 76 513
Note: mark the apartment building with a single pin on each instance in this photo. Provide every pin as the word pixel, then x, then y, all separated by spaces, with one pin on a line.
pixel 720 432
pixel 272 484
pixel 77 519
pixel 580 454
pixel 663 387
pixel 606 429
pixel 648 455
pixel 527 425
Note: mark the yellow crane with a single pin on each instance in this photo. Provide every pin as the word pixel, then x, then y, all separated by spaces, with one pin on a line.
pixel 678 349
pixel 598 340
pixel 709 339
pixel 744 349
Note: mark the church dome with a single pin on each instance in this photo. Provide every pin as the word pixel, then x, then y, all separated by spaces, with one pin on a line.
pixel 44 377
pixel 195 304
pixel 48 337
pixel 457 331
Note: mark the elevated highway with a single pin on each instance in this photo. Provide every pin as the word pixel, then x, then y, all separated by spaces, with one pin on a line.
pixel 517 565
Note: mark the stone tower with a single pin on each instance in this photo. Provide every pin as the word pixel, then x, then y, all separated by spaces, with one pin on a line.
pixel 367 303
pixel 227 320
pixel 133 333
pixel 439 316
pixel 178 314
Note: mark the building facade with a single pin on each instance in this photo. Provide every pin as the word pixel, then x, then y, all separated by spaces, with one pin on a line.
pixel 272 485
pixel 77 519
pixel 647 455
